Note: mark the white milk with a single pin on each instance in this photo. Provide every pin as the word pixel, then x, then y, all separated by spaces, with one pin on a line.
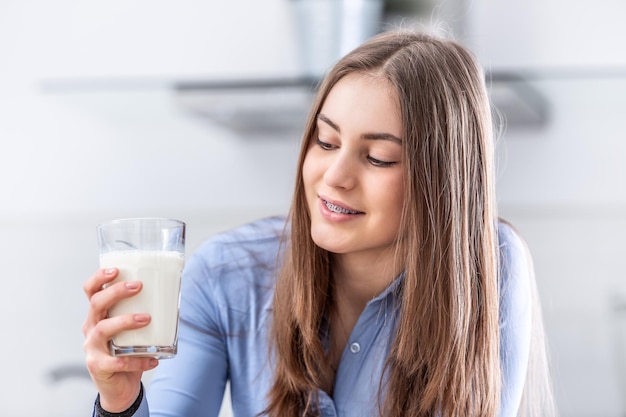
pixel 160 272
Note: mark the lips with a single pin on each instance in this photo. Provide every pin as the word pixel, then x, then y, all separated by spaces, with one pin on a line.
pixel 339 209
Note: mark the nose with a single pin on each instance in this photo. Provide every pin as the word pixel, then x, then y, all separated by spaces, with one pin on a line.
pixel 341 171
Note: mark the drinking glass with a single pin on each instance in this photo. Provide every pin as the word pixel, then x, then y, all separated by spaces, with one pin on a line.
pixel 150 250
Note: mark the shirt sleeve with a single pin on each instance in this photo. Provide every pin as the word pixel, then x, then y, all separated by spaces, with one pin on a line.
pixel 193 383
pixel 516 276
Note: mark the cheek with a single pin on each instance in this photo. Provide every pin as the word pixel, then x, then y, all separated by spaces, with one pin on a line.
pixel 306 172
pixel 308 181
pixel 309 169
pixel 399 194
pixel 395 197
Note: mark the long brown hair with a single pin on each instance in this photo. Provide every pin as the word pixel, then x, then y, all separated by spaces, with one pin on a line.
pixel 445 355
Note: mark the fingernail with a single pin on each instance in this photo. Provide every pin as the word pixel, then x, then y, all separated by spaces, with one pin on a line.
pixel 132 285
pixel 153 362
pixel 141 318
pixel 109 271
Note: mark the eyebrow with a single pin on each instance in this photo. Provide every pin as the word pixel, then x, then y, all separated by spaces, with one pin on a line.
pixel 370 136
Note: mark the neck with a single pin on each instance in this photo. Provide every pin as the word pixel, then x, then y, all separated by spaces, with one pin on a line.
pixel 358 279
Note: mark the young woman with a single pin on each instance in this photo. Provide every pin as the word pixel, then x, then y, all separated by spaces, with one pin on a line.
pixel 391 289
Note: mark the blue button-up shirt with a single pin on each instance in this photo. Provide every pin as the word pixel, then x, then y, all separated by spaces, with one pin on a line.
pixel 225 315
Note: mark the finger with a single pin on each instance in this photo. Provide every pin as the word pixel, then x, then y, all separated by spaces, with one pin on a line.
pixel 133 363
pixel 102 366
pixel 97 280
pixel 97 336
pixel 105 298
pixel 101 301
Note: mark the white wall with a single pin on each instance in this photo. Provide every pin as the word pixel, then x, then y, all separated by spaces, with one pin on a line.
pixel 143 38
pixel 545 34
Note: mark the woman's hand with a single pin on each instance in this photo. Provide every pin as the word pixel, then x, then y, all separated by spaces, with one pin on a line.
pixel 118 379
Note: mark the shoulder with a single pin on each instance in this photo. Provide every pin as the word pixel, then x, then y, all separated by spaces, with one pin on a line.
pixel 231 273
pixel 514 257
pixel 516 276
pixel 232 260
pixel 510 240
pixel 517 282
pixel 246 246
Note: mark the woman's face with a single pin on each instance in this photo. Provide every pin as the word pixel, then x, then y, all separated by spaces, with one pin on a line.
pixel 353 169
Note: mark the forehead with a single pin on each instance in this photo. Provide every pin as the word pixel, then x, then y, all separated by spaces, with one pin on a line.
pixel 366 100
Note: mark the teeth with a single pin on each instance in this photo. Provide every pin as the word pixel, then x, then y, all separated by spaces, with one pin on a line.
pixel 338 209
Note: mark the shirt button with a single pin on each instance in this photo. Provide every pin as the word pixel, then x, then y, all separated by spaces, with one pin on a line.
pixel 355 347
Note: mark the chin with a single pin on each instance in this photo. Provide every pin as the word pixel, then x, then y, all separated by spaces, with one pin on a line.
pixel 323 239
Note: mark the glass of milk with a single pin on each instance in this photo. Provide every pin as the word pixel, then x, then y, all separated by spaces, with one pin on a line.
pixel 150 250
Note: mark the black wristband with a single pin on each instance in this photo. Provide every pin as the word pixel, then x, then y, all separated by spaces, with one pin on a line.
pixel 100 412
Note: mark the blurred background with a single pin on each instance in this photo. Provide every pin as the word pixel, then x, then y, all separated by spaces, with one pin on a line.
pixel 194 109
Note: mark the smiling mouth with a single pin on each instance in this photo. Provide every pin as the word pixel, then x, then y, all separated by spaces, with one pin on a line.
pixel 338 209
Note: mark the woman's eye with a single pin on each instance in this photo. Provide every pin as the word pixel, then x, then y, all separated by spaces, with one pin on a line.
pixel 324 145
pixel 379 163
